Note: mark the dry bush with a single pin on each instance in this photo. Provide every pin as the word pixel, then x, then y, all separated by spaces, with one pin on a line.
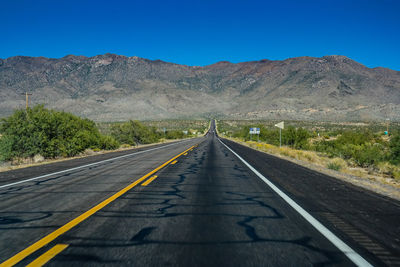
pixel 38 158
pixel 386 168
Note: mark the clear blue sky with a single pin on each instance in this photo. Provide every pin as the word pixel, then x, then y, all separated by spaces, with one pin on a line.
pixel 203 32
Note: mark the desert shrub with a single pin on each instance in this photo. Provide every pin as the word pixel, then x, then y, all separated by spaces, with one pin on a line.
pixel 364 148
pixel 309 157
pixel 368 154
pixel 174 134
pixel 394 147
pixel 334 166
pixel 270 136
pixel 389 169
pixel 134 133
pixel 6 147
pixel 46 132
pixel 108 143
pixel 302 136
pixel 396 174
pixel 289 136
pixel 325 146
pixel 355 138
pixel 344 144
pixel 296 138
pixel 346 151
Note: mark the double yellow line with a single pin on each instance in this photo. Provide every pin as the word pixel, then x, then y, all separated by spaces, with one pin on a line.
pixel 66 227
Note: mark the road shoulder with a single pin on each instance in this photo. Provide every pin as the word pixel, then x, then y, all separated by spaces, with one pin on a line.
pixel 381 188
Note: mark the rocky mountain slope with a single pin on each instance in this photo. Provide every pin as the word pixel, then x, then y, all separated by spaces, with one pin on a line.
pixel 111 87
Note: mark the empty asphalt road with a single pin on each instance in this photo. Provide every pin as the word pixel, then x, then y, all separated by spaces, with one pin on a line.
pixel 201 202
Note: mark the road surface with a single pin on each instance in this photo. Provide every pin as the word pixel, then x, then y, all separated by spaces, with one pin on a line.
pixel 201 202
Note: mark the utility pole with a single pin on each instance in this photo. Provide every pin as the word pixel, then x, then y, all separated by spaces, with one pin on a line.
pixel 281 126
pixel 27 100
pixel 387 127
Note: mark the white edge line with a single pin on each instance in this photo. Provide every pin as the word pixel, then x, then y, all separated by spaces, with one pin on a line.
pixel 91 164
pixel 349 252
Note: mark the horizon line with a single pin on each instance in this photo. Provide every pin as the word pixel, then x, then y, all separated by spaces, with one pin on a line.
pixel 217 62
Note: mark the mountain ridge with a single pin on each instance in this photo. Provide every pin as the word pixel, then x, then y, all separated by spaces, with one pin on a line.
pixel 116 87
pixel 195 66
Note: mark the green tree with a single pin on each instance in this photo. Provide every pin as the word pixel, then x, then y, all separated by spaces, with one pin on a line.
pixel 174 134
pixel 296 138
pixel 49 133
pixel 134 133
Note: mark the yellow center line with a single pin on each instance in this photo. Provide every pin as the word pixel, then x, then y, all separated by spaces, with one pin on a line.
pixel 151 179
pixel 68 226
pixel 173 163
pixel 51 253
pixel 185 154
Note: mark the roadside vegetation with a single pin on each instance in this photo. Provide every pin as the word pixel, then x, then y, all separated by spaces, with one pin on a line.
pixel 165 129
pixel 49 133
pixel 38 133
pixel 147 132
pixel 357 149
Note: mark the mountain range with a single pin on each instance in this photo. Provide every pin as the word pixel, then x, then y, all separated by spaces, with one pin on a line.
pixel 112 87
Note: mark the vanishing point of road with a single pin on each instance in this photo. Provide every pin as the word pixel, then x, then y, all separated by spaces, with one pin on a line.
pixel 199 202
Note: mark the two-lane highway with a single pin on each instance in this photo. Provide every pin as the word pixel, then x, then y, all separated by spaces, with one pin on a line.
pixel 35 203
pixel 203 202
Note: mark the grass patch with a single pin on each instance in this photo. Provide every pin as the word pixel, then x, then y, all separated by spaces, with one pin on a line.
pixel 334 166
